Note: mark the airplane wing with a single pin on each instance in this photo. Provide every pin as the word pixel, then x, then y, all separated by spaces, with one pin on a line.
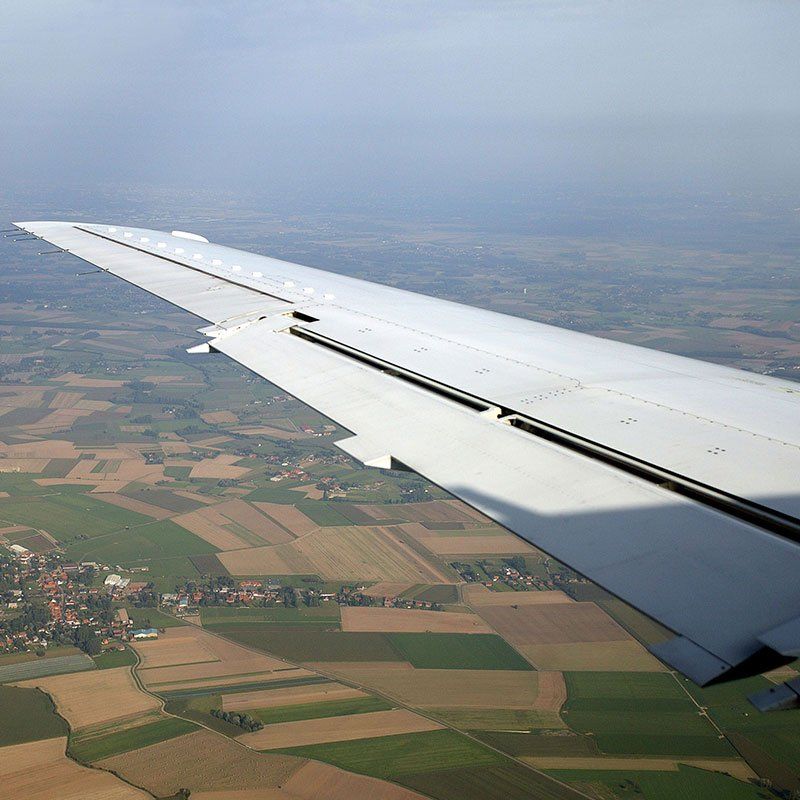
pixel 672 483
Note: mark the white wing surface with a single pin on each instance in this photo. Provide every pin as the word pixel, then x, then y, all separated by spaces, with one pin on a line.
pixel 673 483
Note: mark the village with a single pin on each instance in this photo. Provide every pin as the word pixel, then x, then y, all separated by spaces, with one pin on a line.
pixel 46 601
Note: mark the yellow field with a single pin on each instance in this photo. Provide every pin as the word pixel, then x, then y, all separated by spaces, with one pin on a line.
pixel 219 467
pixel 476 594
pixel 217 417
pixel 290 517
pixel 315 781
pixel 466 688
pixel 90 698
pixel 201 761
pixel 291 695
pixel 404 620
pixel 347 553
pixel 593 656
pixel 338 729
pixel 41 771
pixel 553 623
pixel 190 656
pixel 133 505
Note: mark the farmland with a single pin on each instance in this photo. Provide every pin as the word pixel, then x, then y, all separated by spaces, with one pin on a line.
pixel 94 748
pixel 34 714
pixel 458 651
pixel 175 471
pixel 31 770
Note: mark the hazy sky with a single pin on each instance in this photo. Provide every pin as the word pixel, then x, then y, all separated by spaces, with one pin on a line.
pixel 390 96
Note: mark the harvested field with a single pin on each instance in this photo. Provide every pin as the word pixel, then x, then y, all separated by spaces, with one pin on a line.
pixel 188 655
pixel 553 623
pixel 90 698
pixel 244 794
pixel 132 505
pixel 291 695
pixel 66 399
pixel 376 554
pixel 338 729
pixel 349 553
pixel 57 420
pixel 499 544
pixel 433 511
pixel 316 780
pixel 201 761
pixel 278 560
pixel 51 448
pixel 289 517
pixel 476 594
pixel 625 656
pixel 403 620
pixel 36 465
pixel 41 771
pixel 342 667
pixel 219 467
pixel 388 589
pixel 218 417
pixel 458 688
pixel 210 526
pixel 552 691
pixel 73 379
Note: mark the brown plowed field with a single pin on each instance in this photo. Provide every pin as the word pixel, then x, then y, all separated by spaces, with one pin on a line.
pixel 189 654
pixel 467 688
pixel 404 620
pixel 552 692
pixel 555 623
pixel 624 656
pixel 500 544
pixel 290 517
pixel 315 781
pixel 41 771
pixel 291 695
pixel 89 698
pixel 201 761
pixel 478 595
pixel 347 553
pixel 338 729
pixel 133 505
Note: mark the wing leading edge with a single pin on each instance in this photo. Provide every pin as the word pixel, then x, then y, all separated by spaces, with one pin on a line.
pixel 669 482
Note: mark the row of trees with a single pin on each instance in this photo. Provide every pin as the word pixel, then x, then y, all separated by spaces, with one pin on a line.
pixel 244 721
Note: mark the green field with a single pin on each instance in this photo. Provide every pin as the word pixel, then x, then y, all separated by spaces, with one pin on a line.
pixel 310 643
pixel 640 713
pixel 324 514
pixel 457 651
pixel 331 708
pixel 155 540
pixel 163 498
pixel 328 613
pixel 389 756
pixel 687 783
pixel 115 658
pixel 88 748
pixel 273 494
pixel 505 781
pixel 769 741
pixel 234 688
pixel 67 516
pixel 27 715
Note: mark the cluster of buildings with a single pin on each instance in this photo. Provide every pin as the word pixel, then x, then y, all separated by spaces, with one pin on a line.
pixel 46 600
pixel 270 593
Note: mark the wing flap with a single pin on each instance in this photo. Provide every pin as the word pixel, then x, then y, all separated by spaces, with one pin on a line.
pixel 685 565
